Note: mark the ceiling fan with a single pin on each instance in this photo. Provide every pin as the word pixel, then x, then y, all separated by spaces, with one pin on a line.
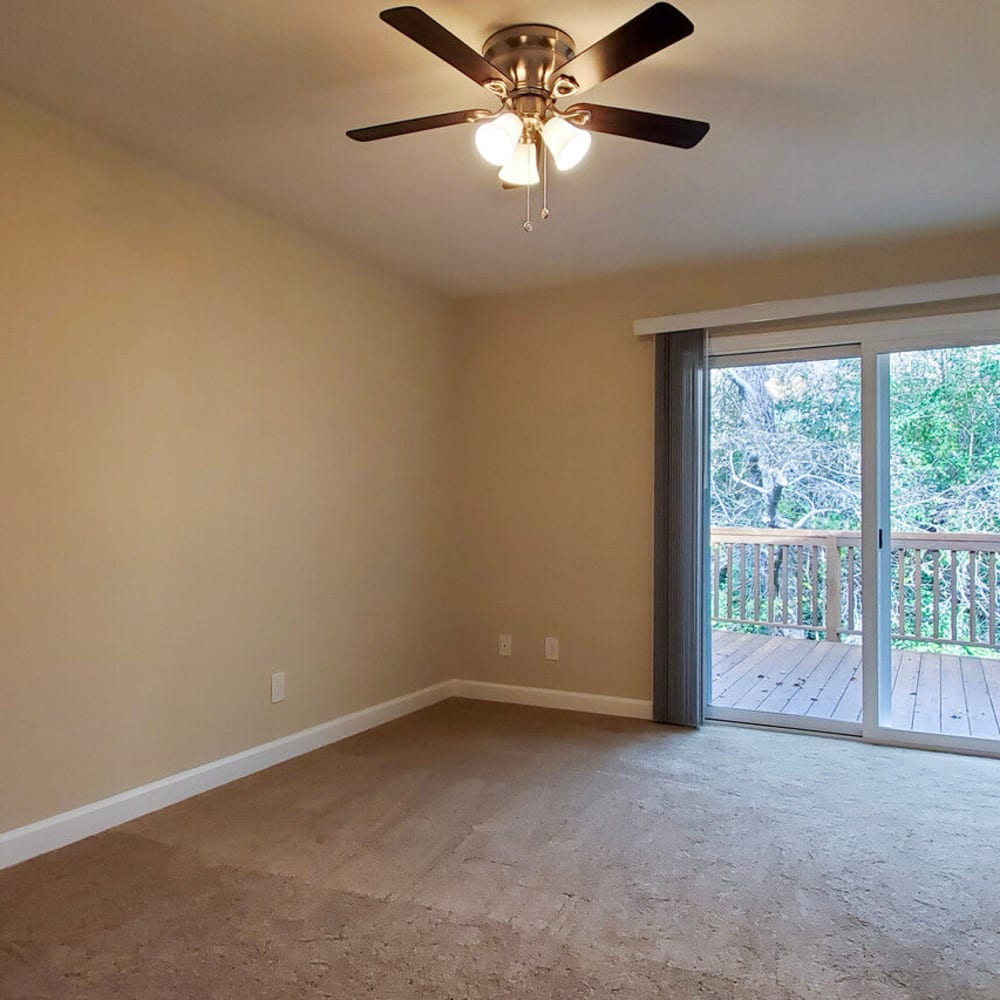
pixel 529 67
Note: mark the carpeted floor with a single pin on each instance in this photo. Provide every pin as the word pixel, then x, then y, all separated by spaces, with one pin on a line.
pixel 478 850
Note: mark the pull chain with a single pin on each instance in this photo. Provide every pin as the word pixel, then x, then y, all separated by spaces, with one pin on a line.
pixel 528 227
pixel 545 183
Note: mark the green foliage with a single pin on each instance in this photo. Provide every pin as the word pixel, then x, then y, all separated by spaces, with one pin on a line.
pixel 945 433
pixel 786 443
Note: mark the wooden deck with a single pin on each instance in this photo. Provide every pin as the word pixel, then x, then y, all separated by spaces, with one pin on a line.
pixel 931 692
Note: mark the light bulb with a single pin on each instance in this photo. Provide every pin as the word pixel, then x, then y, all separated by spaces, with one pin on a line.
pixel 522 170
pixel 567 143
pixel 496 140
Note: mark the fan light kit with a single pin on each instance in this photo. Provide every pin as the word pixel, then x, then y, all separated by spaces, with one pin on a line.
pixel 529 67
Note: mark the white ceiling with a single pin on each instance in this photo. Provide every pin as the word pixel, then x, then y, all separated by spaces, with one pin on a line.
pixel 830 121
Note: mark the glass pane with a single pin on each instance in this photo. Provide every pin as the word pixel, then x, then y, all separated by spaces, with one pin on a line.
pixel 786 539
pixel 944 431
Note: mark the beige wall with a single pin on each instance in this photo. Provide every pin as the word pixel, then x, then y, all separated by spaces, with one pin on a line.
pixel 224 450
pixel 557 424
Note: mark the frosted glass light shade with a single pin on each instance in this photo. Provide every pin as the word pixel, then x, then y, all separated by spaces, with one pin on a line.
pixel 523 167
pixel 567 143
pixel 496 140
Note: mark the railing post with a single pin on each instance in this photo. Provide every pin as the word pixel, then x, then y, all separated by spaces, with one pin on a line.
pixel 832 589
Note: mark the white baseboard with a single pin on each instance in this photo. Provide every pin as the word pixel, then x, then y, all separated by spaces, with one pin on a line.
pixel 66 828
pixel 570 701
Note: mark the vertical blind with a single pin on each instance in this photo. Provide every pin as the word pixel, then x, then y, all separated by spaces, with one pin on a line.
pixel 680 622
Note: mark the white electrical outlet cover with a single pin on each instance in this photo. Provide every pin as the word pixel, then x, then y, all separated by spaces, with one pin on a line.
pixel 505 645
pixel 551 648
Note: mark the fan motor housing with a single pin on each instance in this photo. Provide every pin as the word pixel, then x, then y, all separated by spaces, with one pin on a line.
pixel 531 55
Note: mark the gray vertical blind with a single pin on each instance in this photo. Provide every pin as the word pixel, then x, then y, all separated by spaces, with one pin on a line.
pixel 680 625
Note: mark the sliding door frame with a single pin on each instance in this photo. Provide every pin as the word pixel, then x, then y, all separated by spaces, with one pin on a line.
pixel 752 716
pixel 877 340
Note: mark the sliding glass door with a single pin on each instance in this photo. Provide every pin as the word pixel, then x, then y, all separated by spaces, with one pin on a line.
pixel 785 549
pixel 854 549
pixel 941 600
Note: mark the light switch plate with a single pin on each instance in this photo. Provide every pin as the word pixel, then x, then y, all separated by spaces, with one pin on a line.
pixel 278 687
pixel 505 645
pixel 551 648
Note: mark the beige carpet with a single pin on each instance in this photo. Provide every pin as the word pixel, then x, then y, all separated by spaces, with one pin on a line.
pixel 489 851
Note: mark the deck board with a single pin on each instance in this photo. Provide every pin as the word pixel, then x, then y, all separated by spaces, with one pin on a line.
pixel 778 687
pixel 931 692
pixel 927 710
pixel 739 680
pixel 982 722
pixel 848 707
pixel 904 691
pixel 809 685
pixel 954 709
pixel 732 663
pixel 991 671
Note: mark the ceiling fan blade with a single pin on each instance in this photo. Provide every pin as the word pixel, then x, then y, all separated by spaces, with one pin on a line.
pixel 647 33
pixel 425 31
pixel 414 125
pixel 664 129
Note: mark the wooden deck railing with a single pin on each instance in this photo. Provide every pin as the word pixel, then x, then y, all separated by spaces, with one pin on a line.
pixel 943 586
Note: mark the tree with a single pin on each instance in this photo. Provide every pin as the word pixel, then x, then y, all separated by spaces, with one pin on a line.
pixel 945 433
pixel 786 445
